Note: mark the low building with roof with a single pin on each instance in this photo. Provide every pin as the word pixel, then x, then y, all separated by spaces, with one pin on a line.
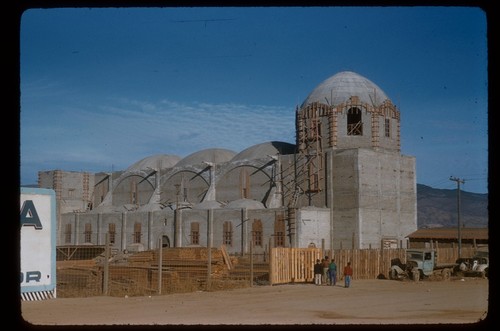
pixel 448 237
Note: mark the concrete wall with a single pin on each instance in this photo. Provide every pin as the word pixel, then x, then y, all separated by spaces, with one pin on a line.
pixel 74 190
pixel 346 141
pixel 374 197
pixel 313 226
pixel 370 196
pixel 133 189
pixel 156 224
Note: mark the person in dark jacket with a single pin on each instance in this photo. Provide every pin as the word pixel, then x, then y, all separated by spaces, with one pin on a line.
pixel 318 271
pixel 332 269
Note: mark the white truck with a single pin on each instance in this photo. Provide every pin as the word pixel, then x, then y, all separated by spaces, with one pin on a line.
pixel 476 266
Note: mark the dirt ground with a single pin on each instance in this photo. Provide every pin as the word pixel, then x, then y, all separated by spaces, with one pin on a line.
pixel 366 302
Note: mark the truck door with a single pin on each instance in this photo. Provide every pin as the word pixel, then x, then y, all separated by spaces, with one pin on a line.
pixel 428 264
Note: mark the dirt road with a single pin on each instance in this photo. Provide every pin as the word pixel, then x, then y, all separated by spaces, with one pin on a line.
pixel 461 301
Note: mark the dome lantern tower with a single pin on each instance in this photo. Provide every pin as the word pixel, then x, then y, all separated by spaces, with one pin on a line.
pixel 347 111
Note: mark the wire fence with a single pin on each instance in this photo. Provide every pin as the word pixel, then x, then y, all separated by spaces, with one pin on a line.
pixel 89 270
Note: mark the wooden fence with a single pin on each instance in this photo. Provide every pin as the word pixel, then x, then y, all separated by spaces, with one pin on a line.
pixel 289 265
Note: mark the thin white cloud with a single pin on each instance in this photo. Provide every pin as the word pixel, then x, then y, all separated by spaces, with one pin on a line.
pixel 125 132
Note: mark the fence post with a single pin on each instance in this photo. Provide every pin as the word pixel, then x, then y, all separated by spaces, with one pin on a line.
pixel 271 261
pixel 209 246
pixel 251 261
pixel 381 257
pixel 105 288
pixel 160 263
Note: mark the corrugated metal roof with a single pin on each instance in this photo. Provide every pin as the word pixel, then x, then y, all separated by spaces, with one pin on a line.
pixel 450 233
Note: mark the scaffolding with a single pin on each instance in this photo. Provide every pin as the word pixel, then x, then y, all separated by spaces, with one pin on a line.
pixel 309 135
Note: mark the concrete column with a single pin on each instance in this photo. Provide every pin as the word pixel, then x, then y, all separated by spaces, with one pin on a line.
pixel 150 236
pixel 124 232
pixel 244 221
pixel 157 192
pixel 210 231
pixel 77 225
pixel 329 178
pixel 210 236
pixel 178 228
pixel 99 224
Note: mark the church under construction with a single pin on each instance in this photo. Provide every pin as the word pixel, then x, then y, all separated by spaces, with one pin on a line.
pixel 343 184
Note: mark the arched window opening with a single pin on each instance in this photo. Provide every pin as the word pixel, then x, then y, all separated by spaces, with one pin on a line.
pixel 112 232
pixel 165 241
pixel 354 123
pixel 195 233
pixel 387 127
pixel 257 232
pixel 279 231
pixel 227 233
pixel 88 233
pixel 137 233
pixel 68 233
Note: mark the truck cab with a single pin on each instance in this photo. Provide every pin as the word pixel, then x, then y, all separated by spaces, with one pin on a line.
pixel 422 259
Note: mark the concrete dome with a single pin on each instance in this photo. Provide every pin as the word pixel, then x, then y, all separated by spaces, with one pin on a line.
pixel 340 87
pixel 152 162
pixel 214 155
pixel 263 150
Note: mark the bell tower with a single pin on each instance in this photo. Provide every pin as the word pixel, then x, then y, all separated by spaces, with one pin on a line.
pixel 349 161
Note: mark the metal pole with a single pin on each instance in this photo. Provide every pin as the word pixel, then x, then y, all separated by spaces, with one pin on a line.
pixel 271 274
pixel 459 222
pixel 160 263
pixel 209 247
pixel 105 288
pixel 251 260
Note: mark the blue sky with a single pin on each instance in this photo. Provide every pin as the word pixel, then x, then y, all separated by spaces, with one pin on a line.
pixel 104 88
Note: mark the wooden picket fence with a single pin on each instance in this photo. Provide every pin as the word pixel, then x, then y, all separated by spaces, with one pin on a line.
pixel 296 265
pixel 289 265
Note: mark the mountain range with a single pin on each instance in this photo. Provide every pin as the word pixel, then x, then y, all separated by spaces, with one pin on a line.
pixel 439 208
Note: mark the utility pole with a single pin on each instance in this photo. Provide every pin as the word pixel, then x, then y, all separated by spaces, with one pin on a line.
pixel 459 181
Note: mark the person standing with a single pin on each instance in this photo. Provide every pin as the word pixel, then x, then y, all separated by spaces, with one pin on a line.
pixel 347 274
pixel 326 263
pixel 318 271
pixel 332 269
